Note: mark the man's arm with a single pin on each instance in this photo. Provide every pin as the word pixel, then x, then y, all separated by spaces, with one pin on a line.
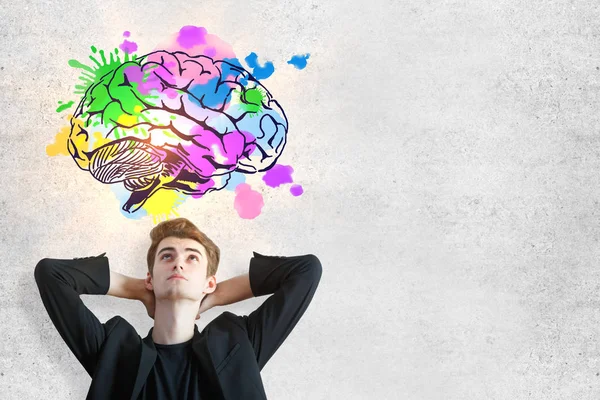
pixel 126 287
pixel 292 281
pixel 229 291
pixel 61 282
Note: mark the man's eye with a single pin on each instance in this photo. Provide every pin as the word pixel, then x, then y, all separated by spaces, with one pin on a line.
pixel 170 255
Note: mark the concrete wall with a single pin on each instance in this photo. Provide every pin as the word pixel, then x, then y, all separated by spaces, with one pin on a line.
pixel 448 152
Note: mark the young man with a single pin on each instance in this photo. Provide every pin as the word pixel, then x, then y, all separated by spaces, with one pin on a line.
pixel 175 360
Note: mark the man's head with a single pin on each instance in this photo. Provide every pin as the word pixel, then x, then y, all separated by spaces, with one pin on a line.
pixel 179 247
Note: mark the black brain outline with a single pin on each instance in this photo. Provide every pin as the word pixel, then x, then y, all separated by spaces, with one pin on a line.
pixel 145 166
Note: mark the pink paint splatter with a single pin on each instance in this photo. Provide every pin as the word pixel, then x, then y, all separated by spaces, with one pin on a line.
pixel 248 203
pixel 196 40
pixel 171 93
pixel 190 36
pixel 128 47
pixel 278 175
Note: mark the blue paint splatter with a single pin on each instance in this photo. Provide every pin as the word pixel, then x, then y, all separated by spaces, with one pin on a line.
pixel 299 61
pixel 259 72
pixel 209 93
pixel 235 70
pixel 235 179
pixel 233 61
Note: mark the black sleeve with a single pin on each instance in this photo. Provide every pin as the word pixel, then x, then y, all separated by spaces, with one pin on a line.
pixel 60 282
pixel 292 281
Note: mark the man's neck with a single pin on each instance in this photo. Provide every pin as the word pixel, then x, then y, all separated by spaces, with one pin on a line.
pixel 174 322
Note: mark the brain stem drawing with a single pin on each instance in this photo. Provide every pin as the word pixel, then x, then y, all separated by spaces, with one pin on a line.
pixel 168 120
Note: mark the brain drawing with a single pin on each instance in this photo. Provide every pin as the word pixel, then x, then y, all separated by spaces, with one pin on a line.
pixel 168 120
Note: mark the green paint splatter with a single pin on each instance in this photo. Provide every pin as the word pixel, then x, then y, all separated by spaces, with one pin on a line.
pixel 114 97
pixel 251 100
pixel 64 106
pixel 92 75
pixel 170 134
pixel 109 97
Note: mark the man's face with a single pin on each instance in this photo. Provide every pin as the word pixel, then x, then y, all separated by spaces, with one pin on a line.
pixel 185 257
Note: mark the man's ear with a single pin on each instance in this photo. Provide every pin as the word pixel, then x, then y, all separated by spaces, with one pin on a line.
pixel 148 282
pixel 211 285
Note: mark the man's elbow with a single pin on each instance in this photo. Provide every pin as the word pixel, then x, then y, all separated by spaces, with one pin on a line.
pixel 314 267
pixel 41 267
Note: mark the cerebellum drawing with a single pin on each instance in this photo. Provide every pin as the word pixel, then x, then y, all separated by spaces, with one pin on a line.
pixel 177 123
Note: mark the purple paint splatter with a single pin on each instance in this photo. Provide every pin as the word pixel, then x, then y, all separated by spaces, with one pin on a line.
pixel 296 190
pixel 278 175
pixel 126 33
pixel 190 36
pixel 210 52
pixel 128 47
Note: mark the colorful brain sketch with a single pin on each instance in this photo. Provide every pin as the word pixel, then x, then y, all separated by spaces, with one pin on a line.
pixel 170 120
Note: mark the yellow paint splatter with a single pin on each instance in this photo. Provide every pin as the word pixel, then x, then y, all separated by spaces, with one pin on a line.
pixel 163 203
pixel 192 185
pixel 69 141
pixel 59 147
pixel 127 120
pixel 100 140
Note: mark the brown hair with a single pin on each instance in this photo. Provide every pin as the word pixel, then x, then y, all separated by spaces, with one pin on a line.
pixel 184 229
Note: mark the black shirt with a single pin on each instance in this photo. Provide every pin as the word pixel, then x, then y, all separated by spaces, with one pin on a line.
pixel 174 375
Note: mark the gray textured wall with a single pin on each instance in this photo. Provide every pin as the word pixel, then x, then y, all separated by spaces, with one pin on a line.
pixel 449 156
